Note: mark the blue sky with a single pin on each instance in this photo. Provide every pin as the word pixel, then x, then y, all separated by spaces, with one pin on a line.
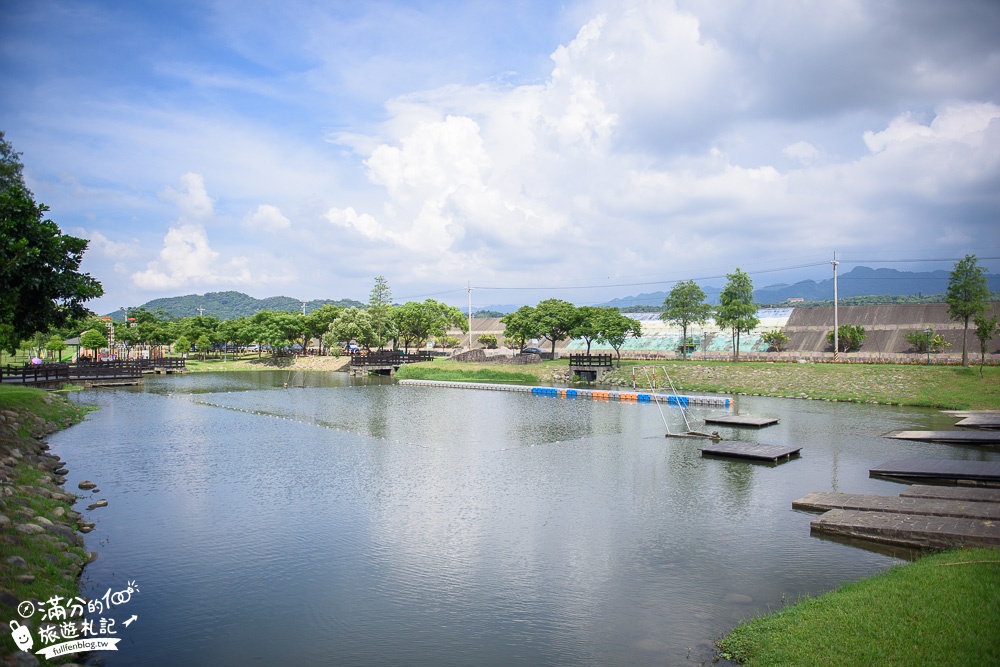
pixel 582 150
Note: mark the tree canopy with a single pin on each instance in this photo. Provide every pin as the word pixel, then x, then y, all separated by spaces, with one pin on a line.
pixel 967 294
pixel 686 305
pixel 555 319
pixel 520 327
pixel 614 329
pixel 42 287
pixel 737 311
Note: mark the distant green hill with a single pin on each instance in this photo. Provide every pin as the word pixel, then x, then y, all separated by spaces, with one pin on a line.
pixel 227 305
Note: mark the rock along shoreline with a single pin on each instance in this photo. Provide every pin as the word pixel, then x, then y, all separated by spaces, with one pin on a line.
pixel 41 549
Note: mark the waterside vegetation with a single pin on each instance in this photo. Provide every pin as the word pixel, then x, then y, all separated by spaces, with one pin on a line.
pixel 939 610
pixel 41 552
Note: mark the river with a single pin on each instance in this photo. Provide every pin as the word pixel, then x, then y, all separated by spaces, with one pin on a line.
pixel 349 522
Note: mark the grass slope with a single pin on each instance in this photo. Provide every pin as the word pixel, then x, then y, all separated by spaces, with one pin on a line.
pixel 939 610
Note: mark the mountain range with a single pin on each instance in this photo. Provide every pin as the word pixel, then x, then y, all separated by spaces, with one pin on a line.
pixel 858 282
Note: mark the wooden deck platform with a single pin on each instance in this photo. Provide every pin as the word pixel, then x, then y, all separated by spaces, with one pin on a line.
pixel 964 493
pixel 922 517
pixel 984 437
pixel 943 471
pixel 864 502
pixel 908 530
pixel 750 450
pixel 741 420
pixel 980 419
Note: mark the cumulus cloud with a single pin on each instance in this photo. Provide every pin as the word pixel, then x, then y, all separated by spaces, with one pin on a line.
pixel 187 260
pixel 102 246
pixel 267 218
pixel 191 197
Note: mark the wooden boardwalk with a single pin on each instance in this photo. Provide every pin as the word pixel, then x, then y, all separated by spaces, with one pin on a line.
pixel 945 471
pixel 922 517
pixel 749 450
pixel 985 437
pixel 741 420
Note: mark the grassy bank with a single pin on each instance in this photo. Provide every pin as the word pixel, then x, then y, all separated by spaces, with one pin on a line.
pixel 456 372
pixel 939 610
pixel 41 552
pixel 950 387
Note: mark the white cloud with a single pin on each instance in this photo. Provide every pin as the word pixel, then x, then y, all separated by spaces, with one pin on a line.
pixel 803 151
pixel 267 218
pixel 102 246
pixel 187 260
pixel 192 199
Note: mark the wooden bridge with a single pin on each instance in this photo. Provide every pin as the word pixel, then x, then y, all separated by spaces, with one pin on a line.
pixel 385 362
pixel 88 373
pixel 590 367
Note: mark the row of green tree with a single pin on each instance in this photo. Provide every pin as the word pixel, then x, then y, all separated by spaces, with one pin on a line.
pixel 380 324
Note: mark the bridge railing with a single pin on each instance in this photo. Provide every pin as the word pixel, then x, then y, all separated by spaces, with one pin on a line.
pixel 590 360
pixel 34 373
pixel 105 370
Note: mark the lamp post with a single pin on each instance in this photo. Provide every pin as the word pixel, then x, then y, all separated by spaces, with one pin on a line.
pixel 928 332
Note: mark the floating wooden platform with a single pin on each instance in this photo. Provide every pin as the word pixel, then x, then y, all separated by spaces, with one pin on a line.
pixel 741 420
pixel 952 437
pixel 908 530
pixel 944 471
pixel 981 420
pixel 964 493
pixel 864 502
pixel 922 517
pixel 749 450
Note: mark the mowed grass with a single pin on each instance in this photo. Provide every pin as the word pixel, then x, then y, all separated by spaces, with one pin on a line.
pixel 948 387
pixel 462 372
pixel 951 387
pixel 939 610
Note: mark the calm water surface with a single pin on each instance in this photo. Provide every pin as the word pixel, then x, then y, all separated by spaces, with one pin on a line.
pixel 350 523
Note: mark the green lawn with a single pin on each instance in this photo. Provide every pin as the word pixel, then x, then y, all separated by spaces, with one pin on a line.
pixel 939 610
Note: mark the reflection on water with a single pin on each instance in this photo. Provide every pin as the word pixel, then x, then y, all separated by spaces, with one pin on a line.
pixel 364 523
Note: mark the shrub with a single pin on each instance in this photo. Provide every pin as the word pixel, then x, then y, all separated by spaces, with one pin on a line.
pixel 921 341
pixel 850 337
pixel 488 341
pixel 776 340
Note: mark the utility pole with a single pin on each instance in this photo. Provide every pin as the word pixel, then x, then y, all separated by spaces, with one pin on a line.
pixel 470 314
pixel 836 332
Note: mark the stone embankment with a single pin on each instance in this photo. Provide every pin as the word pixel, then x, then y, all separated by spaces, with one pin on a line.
pixel 41 550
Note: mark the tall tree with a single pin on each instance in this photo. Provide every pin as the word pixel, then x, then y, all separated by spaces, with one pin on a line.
pixel 686 305
pixel 737 311
pixel 42 286
pixel 380 310
pixel 520 327
pixel 986 328
pixel 556 318
pixel 351 324
pixel 416 322
pixel 588 324
pixel 614 329
pixel 318 322
pixel 967 294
